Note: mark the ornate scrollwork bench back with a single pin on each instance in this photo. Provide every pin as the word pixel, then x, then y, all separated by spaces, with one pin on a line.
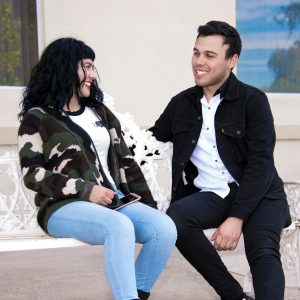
pixel 290 238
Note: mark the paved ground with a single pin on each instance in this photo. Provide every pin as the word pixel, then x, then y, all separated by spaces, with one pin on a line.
pixel 77 273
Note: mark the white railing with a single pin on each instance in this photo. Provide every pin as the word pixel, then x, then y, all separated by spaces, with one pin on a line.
pixel 17 209
pixel 290 238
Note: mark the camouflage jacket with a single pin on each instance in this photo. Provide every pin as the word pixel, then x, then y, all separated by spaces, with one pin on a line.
pixel 59 162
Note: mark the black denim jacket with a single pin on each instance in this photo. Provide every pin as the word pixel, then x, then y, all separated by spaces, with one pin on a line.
pixel 245 138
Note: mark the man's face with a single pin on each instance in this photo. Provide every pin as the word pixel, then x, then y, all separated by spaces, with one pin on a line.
pixel 210 66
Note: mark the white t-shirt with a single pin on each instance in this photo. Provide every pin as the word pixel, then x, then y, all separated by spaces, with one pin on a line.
pixel 89 121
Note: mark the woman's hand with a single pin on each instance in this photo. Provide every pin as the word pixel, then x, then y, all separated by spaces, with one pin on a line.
pixel 102 195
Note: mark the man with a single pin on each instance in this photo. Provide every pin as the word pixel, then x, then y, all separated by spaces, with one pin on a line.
pixel 223 173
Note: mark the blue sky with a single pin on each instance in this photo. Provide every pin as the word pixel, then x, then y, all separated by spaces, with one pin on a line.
pixel 261 35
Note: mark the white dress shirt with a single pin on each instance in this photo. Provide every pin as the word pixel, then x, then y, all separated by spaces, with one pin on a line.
pixel 212 173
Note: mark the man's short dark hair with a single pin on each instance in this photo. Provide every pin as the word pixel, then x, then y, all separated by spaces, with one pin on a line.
pixel 230 34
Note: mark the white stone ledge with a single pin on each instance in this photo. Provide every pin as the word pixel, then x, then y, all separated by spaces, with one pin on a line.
pixel 31 243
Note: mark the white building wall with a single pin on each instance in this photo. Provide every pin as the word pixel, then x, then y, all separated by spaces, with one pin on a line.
pixel 143 52
pixel 143 48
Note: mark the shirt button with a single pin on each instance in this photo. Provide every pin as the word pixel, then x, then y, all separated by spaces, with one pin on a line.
pixel 208 107
pixel 214 146
pixel 207 128
pixel 216 160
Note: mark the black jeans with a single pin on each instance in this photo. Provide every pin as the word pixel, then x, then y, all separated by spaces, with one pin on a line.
pixel 203 210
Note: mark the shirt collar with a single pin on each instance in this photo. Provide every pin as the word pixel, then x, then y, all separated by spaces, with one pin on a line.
pixel 77 112
pixel 222 90
pixel 228 90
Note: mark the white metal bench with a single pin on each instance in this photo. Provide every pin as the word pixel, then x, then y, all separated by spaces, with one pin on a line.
pixel 20 231
pixel 18 226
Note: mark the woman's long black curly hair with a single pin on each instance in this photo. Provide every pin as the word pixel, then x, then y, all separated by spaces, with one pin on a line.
pixel 54 79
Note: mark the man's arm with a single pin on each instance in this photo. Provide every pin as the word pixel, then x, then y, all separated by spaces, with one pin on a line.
pixel 259 170
pixel 258 173
pixel 162 127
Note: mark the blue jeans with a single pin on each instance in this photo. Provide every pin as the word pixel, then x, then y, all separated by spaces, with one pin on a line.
pixel 118 231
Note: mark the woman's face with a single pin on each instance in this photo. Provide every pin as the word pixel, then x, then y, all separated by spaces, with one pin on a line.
pixel 87 74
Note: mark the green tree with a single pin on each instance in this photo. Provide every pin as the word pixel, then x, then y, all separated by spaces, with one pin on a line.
pixel 285 63
pixel 290 15
pixel 10 45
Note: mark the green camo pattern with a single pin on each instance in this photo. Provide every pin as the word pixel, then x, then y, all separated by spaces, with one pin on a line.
pixel 58 160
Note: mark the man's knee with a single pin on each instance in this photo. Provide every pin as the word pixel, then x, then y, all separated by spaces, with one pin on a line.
pixel 173 212
pixel 259 247
pixel 176 213
pixel 181 218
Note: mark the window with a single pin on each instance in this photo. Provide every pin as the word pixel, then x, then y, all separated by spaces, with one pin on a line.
pixel 18 41
pixel 270 31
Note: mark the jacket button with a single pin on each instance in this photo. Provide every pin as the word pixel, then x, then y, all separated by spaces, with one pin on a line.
pixel 173 188
pixel 238 132
pixel 182 163
pixel 193 141
pixel 199 118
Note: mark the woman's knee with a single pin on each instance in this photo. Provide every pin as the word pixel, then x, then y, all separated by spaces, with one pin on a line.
pixel 157 226
pixel 166 228
pixel 120 225
pixel 115 227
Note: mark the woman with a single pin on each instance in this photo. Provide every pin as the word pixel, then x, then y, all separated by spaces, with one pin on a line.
pixel 73 156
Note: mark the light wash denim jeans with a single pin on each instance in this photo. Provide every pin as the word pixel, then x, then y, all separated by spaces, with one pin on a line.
pixel 118 231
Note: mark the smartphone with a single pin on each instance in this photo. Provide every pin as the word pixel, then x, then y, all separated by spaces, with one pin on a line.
pixel 126 200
